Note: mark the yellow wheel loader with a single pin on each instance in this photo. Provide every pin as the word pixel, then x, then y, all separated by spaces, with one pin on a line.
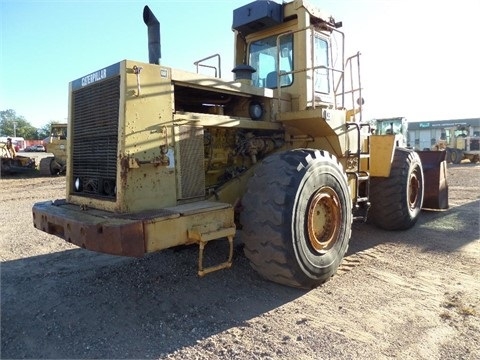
pixel 459 144
pixel 279 157
pixel 434 170
pixel 55 144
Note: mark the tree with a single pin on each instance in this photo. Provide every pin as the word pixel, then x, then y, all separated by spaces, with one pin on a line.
pixel 12 124
pixel 44 131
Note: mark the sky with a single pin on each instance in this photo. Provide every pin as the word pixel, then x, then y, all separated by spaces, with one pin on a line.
pixel 420 58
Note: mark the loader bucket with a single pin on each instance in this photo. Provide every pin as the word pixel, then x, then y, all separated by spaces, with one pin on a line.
pixel 435 179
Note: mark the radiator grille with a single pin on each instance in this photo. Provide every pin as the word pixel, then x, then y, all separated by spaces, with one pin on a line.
pixel 190 158
pixel 95 138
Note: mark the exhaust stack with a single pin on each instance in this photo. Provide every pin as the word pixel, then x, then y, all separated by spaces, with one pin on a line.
pixel 154 47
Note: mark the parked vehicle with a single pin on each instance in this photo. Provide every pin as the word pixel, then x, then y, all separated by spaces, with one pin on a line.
pixel 459 144
pixel 55 144
pixel 35 148
pixel 11 162
pixel 160 157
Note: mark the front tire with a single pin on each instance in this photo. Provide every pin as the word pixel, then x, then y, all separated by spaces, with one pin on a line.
pixel 397 200
pixel 297 217
pixel 456 156
pixel 448 156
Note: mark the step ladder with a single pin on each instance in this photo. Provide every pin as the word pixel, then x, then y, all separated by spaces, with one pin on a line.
pixel 202 239
pixel 361 200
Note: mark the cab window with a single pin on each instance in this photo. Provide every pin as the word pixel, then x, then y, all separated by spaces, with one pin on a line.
pixel 263 58
pixel 322 78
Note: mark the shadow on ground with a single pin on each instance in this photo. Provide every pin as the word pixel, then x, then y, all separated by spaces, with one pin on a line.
pixel 435 231
pixel 74 304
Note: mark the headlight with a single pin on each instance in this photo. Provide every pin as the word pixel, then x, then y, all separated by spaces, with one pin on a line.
pixel 78 184
pixel 255 110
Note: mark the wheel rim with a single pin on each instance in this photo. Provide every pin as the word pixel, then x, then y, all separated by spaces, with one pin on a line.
pixel 413 190
pixel 453 156
pixel 324 219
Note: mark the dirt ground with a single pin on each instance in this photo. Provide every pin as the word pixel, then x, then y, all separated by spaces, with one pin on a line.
pixel 406 295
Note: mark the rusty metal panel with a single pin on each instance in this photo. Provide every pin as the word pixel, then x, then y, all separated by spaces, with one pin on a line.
pixel 89 230
pixel 131 234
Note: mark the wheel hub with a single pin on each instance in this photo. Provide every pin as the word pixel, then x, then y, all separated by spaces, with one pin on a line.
pixel 324 219
pixel 413 190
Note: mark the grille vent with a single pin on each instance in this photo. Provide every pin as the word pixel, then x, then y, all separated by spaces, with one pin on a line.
pixel 190 162
pixel 95 114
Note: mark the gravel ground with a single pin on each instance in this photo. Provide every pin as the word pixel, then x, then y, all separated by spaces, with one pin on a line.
pixel 405 295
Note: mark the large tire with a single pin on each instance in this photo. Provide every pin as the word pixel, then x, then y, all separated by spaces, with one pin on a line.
pixel 297 217
pixel 45 166
pixel 57 167
pixel 448 156
pixel 397 200
pixel 456 156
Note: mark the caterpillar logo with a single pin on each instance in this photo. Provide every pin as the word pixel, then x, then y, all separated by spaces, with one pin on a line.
pixel 96 76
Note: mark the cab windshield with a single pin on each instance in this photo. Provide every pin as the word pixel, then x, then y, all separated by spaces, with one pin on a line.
pixel 264 59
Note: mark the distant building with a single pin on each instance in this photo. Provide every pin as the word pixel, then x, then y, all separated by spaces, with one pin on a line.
pixel 423 134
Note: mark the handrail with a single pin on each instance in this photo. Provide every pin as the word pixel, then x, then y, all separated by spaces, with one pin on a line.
pixel 353 90
pixel 332 70
pixel 339 89
pixel 198 64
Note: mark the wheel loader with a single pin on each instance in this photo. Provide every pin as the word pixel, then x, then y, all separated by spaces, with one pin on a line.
pixel 434 165
pixel 278 158
pixel 459 144
pixel 55 144
pixel 393 126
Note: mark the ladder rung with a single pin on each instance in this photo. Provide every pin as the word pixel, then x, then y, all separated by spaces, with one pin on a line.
pixel 203 238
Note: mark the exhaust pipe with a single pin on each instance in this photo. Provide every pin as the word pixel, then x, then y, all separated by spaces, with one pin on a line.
pixel 154 47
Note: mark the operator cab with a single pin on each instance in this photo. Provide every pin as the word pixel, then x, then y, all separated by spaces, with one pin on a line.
pixel 289 47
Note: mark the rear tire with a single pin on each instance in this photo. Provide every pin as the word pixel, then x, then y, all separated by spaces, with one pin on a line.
pixel 57 167
pixel 297 217
pixel 45 166
pixel 396 201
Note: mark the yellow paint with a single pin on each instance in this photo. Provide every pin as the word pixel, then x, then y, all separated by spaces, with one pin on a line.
pixel 173 231
pixel 381 154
